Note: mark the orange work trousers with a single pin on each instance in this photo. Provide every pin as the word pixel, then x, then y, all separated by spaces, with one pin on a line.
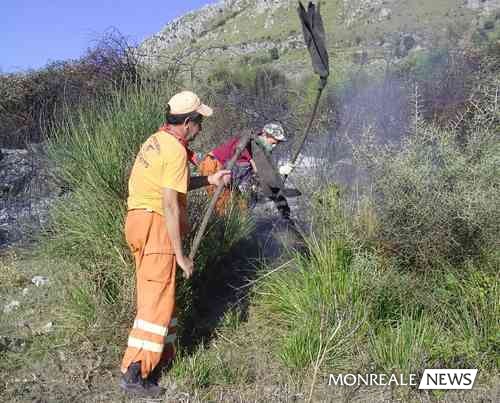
pixel 153 335
pixel 210 165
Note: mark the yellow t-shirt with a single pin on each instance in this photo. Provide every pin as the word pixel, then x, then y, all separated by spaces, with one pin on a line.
pixel 161 163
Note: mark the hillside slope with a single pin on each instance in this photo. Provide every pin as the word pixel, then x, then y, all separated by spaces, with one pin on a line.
pixel 269 29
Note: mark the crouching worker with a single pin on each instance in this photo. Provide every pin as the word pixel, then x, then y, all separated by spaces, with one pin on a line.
pixel 254 160
pixel 155 224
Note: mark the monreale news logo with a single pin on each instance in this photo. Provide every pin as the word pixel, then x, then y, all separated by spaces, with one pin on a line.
pixel 444 379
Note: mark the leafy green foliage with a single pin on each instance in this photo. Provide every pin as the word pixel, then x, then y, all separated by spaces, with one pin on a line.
pixel 347 299
pixel 436 195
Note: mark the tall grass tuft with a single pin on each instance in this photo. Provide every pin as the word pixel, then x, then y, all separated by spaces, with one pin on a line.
pixel 222 236
pixel 195 369
pixel 402 347
pixel 222 233
pixel 316 306
pixel 93 151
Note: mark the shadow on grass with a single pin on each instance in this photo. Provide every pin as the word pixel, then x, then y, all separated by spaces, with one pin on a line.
pixel 228 284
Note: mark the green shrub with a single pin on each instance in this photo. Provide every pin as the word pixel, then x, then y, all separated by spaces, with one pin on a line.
pixel 392 293
pixel 274 53
pixel 436 196
pixel 489 25
pixel 445 78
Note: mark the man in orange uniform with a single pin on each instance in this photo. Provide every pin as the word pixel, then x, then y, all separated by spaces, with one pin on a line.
pixel 155 223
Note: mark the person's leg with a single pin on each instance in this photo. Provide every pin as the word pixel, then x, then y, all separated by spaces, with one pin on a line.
pixel 209 166
pixel 155 307
pixel 155 272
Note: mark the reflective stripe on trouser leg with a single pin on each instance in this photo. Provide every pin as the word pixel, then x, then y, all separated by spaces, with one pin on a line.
pixel 155 308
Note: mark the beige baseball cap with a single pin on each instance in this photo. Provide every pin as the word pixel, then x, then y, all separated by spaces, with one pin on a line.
pixel 187 102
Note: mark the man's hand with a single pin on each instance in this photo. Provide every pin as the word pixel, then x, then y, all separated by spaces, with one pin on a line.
pixel 186 264
pixel 220 177
pixel 286 169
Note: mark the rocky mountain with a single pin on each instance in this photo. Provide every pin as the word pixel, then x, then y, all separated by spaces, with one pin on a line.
pixel 269 30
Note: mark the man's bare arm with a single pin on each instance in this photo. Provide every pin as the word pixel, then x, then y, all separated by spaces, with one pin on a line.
pixel 172 217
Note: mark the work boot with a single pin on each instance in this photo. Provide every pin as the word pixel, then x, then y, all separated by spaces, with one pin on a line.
pixel 133 383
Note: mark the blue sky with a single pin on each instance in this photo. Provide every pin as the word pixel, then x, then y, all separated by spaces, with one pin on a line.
pixel 35 32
